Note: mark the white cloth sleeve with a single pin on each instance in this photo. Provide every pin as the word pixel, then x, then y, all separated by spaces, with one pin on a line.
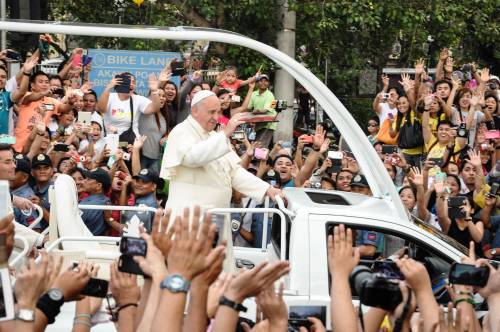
pixel 248 184
pixel 201 153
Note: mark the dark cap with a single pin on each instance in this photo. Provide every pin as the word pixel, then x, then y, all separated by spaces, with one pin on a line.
pixel 272 177
pixel 41 159
pixel 262 76
pixel 147 175
pixel 100 176
pixel 23 163
pixel 359 181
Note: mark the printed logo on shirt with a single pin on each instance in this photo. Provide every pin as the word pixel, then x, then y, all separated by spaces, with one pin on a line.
pixel 120 113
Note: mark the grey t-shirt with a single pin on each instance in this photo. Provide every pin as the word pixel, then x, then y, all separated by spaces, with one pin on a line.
pixel 149 127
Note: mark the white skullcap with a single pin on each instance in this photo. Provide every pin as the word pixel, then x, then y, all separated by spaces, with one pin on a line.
pixel 200 95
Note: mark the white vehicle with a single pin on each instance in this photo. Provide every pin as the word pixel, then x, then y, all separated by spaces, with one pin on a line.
pixel 299 232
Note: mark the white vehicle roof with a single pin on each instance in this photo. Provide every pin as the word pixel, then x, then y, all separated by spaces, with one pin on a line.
pixel 371 165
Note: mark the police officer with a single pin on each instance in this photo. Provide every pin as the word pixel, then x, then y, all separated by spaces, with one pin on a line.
pixel 20 187
pixel 42 171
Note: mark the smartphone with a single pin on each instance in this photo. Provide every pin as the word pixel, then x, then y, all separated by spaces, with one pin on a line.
pixel 465 274
pixel 124 86
pixel 389 149
pixel 127 264
pixel 77 60
pixel 112 142
pixel 58 91
pixel 238 135
pixel 133 246
pixel 13 55
pixel 455 207
pixel 437 161
pixel 84 118
pixel 61 147
pixel 178 69
pixel 6 296
pixel 286 145
pixel 298 315
pixel 96 288
pixel 308 139
pixel 389 269
pixel 86 60
pixel 492 134
pixel 261 153
pixel 494 189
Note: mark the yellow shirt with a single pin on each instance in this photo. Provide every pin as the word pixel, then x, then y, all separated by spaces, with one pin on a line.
pixel 437 150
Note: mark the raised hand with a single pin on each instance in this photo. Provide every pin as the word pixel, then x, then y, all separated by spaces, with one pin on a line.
pixel 7 230
pixel 249 283
pixel 72 280
pixel 233 123
pixel 474 158
pixel 30 282
pixel 162 237
pixel 139 142
pixel 153 83
pixel 416 275
pixel 484 74
pixel 419 66
pixel 165 74
pixel 272 305
pixel 417 179
pixel 319 137
pixel 385 81
pixel 342 257
pixel 86 87
pixel 153 264
pixel 187 256
pixel 406 82
pixel 30 63
pixel 114 82
pixel 456 82
pixel 443 55
pixel 123 286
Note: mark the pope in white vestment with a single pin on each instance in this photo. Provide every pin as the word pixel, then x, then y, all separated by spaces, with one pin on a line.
pixel 200 164
pixel 202 167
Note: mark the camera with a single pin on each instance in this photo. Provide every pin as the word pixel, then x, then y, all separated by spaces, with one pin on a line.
pixel 462 131
pixel 238 135
pixel 491 86
pixel 375 289
pixel 133 246
pixel 281 105
pixel 315 184
pixel 235 99
pixel 235 225
pixel 126 156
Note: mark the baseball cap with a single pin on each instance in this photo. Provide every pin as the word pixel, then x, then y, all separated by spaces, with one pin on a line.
pixel 359 180
pixel 147 175
pixel 41 159
pixel 23 163
pixel 272 177
pixel 100 176
pixel 262 76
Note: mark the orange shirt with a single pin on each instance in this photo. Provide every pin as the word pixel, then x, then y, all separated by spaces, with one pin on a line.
pixel 29 115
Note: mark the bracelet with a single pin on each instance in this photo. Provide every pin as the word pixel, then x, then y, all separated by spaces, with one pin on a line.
pixel 82 322
pixel 83 316
pixel 465 299
pixel 125 306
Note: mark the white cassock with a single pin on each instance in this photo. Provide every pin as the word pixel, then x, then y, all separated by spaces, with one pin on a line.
pixel 203 169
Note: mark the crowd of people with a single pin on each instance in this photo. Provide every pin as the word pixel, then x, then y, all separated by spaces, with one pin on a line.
pixel 436 137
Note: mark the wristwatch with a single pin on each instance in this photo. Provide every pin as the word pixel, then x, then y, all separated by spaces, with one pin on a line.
pixel 25 315
pixel 50 303
pixel 231 304
pixel 175 283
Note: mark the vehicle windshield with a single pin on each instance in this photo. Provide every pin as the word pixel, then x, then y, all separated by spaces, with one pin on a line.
pixel 433 230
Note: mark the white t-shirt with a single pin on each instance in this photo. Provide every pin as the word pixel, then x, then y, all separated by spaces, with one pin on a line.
pixel 385 110
pixel 478 118
pixel 118 112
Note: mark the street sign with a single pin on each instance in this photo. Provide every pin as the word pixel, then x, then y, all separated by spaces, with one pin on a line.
pixel 107 63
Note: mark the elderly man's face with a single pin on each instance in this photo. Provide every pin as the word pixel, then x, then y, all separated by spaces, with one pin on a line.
pixel 207 112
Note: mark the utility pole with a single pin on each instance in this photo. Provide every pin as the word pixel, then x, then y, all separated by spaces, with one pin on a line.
pixel 3 14
pixel 284 83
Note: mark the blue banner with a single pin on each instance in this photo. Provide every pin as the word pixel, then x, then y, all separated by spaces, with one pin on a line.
pixel 108 63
